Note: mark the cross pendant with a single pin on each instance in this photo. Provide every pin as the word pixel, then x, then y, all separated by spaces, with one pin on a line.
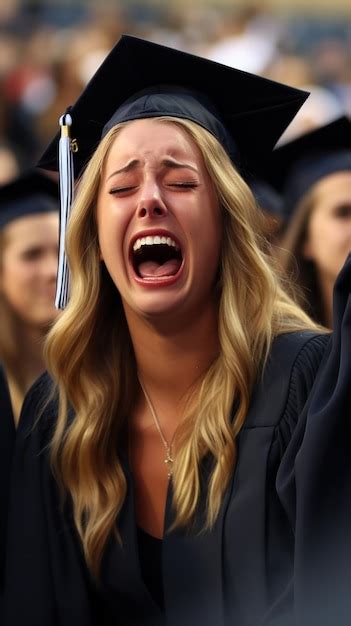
pixel 169 463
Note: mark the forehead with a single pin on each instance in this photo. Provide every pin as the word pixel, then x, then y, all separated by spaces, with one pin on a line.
pixel 29 228
pixel 148 138
pixel 335 182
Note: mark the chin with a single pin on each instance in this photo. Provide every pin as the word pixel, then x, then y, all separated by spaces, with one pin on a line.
pixel 157 307
pixel 44 319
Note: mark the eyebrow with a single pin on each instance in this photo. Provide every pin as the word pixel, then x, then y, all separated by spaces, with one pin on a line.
pixel 126 168
pixel 170 163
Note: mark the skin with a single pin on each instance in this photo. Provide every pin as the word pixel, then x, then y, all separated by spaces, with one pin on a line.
pixel 29 264
pixel 173 327
pixel 328 239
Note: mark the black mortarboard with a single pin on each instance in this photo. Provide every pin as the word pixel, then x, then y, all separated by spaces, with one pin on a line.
pixel 296 166
pixel 267 197
pixel 30 193
pixel 140 79
pixel 247 113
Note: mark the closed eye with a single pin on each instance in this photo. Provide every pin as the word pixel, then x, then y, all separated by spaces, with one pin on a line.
pixel 185 185
pixel 120 190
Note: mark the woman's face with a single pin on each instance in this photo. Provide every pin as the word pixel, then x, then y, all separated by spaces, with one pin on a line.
pixel 28 267
pixel 328 239
pixel 158 220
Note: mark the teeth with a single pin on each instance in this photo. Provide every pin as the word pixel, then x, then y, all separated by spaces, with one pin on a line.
pixel 154 241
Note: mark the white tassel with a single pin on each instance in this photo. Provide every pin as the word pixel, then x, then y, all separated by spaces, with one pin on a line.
pixel 66 171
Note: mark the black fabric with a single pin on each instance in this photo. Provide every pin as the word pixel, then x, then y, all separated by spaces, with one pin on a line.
pixel 30 193
pixel 150 557
pixel 249 570
pixel 252 112
pixel 166 100
pixel 269 200
pixel 323 474
pixel 7 440
pixel 293 168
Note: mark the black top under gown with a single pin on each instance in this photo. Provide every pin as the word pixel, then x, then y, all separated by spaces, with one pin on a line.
pixel 279 553
pixel 150 558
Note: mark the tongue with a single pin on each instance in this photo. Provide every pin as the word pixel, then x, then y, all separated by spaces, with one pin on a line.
pixel 150 269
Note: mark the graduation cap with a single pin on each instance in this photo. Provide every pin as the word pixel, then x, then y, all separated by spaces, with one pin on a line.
pixel 298 165
pixel 28 194
pixel 141 79
pixel 267 197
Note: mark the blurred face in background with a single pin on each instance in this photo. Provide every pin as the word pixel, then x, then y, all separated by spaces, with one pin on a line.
pixel 328 236
pixel 29 253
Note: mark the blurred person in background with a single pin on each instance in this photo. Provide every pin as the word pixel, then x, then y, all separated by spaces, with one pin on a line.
pixel 314 174
pixel 9 167
pixel 272 205
pixel 242 41
pixel 28 263
pixel 75 56
pixel 322 106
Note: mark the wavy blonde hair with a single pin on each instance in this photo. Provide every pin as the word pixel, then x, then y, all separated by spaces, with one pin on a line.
pixel 91 359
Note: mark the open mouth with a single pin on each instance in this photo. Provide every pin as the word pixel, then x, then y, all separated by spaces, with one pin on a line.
pixel 156 257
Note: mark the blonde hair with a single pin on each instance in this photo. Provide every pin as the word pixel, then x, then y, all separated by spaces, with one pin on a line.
pixel 253 308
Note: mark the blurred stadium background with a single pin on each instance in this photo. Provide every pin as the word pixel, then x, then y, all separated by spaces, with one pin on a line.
pixel 50 49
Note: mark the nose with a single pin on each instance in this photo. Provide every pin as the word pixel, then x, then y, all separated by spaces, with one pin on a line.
pixel 151 203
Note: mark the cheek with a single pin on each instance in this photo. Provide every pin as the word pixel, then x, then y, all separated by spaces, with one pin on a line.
pixel 211 228
pixel 111 225
pixel 16 274
pixel 326 233
pixel 17 286
pixel 207 235
pixel 318 233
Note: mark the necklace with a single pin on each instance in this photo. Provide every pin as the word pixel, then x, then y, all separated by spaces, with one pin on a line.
pixel 168 446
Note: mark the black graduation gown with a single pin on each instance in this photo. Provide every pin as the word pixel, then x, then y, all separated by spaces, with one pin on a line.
pixel 232 575
pixel 7 439
pixel 323 481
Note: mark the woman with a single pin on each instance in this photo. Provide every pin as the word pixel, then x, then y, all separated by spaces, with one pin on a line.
pixel 315 172
pixel 164 491
pixel 28 263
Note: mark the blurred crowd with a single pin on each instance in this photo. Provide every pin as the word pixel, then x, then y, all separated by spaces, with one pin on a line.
pixel 49 51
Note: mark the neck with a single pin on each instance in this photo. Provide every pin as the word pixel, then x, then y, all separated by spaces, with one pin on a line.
pixel 23 362
pixel 28 355
pixel 172 358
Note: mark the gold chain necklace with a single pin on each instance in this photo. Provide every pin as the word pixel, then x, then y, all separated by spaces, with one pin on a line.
pixel 169 460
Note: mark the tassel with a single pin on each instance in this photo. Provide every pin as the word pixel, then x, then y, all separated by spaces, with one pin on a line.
pixel 66 171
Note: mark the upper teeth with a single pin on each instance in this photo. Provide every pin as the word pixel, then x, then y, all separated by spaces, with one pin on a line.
pixel 152 241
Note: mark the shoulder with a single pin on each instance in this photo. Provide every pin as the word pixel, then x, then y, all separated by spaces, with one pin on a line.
pixel 288 376
pixel 290 346
pixel 295 354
